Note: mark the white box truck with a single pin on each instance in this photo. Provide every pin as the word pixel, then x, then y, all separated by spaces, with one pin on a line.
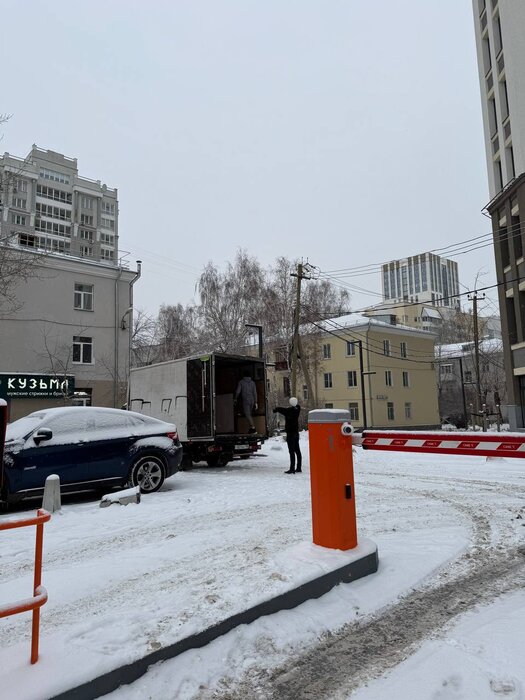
pixel 198 395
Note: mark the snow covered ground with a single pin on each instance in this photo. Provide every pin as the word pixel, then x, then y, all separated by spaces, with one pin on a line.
pixel 443 618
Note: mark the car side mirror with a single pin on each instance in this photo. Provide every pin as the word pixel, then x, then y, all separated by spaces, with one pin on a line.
pixel 42 434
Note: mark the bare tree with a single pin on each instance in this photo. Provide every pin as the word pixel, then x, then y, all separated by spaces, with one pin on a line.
pixel 229 300
pixel 143 345
pixel 58 358
pixel 176 331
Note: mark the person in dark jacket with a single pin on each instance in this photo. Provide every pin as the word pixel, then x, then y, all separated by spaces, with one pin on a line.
pixel 247 392
pixel 291 426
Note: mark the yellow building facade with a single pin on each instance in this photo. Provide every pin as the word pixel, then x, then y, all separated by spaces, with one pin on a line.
pixel 383 374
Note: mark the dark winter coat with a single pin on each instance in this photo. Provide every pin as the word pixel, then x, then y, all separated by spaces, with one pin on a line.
pixel 291 418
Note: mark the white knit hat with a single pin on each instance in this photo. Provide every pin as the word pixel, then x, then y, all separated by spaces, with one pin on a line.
pixel 293 401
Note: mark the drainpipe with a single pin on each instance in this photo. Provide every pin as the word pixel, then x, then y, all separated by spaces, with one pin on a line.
pixel 135 279
pixel 117 329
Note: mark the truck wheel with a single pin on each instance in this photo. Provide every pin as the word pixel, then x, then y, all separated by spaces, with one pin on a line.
pixel 148 473
pixel 213 460
pixel 186 462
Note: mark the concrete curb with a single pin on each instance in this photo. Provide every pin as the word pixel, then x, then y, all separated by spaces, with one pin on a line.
pixel 315 588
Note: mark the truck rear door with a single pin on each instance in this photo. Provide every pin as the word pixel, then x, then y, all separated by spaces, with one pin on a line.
pixel 199 392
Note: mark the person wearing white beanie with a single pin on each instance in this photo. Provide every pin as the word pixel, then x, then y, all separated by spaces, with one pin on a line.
pixel 291 426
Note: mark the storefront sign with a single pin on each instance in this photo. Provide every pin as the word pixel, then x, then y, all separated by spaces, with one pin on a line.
pixel 35 386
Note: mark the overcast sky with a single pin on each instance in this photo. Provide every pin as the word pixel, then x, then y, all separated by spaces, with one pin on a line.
pixel 347 132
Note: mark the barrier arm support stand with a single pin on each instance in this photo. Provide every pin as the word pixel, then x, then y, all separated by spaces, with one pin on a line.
pixel 39 592
pixel 334 521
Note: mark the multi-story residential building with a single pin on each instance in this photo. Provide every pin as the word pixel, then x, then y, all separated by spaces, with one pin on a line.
pixel 425 278
pixel 415 315
pixel 501 60
pixel 457 382
pixel 383 374
pixel 67 336
pixel 47 205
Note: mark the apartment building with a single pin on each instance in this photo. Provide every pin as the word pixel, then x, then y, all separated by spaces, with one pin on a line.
pixel 46 205
pixel 501 60
pixel 66 331
pixel 383 374
pixel 425 278
pixel 415 315
pixel 457 382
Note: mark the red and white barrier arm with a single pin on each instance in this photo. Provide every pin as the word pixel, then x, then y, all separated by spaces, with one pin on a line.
pixel 472 443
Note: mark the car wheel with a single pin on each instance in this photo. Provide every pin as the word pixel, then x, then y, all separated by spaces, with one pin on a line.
pixel 148 473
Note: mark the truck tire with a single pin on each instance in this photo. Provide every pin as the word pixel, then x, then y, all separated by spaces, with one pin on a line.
pixel 148 472
pixel 218 460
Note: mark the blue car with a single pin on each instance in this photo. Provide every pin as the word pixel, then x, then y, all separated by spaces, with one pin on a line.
pixel 89 448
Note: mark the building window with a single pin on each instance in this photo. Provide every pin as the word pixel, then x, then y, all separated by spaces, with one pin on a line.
pixel 53 212
pixel 107 223
pixel 388 377
pixel 305 392
pixel 468 376
pixel 86 219
pixel 82 350
pixel 446 369
pixel 84 297
pixel 403 347
pixel 406 379
pixel 51 193
pixel 87 202
pixel 18 219
pixel 408 410
pixel 19 202
pixel 329 405
pixel 328 380
pixel 86 235
pixel 386 347
pixel 354 411
pixel 286 386
pixel 20 186
pixel 106 254
pixel 107 238
pixel 54 175
pixel 108 208
pixel 52 227
pixel 86 251
pixel 352 378
pixel 28 240
pixel 390 410
pixel 327 351
pixel 350 348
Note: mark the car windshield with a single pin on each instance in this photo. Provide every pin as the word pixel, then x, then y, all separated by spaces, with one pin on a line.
pixel 23 426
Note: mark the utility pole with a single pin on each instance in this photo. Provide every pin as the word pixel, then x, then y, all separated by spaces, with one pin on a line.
pixel 474 298
pixel 296 347
pixel 463 391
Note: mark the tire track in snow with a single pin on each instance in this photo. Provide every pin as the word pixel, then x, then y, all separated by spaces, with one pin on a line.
pixel 359 652
pixel 78 549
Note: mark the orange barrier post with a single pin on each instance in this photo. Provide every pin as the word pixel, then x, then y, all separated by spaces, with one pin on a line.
pixel 332 479
pixel 39 592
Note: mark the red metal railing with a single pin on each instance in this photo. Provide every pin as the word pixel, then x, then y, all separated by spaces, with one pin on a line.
pixel 39 592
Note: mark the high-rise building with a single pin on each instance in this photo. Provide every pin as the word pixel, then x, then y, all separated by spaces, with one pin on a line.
pixel 67 320
pixel 499 27
pixel 426 278
pixel 46 205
